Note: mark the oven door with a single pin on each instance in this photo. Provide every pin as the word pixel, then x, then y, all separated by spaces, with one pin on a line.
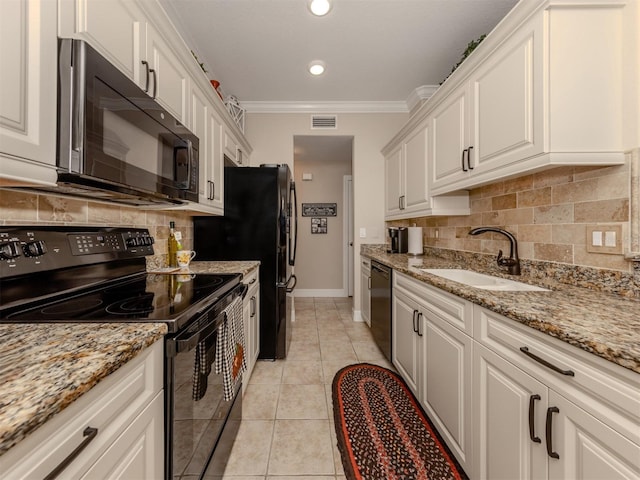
pixel 198 419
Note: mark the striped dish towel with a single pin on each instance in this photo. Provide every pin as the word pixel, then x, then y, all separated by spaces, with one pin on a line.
pixel 230 348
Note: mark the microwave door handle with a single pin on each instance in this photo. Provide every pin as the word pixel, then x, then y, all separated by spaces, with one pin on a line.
pixel 182 145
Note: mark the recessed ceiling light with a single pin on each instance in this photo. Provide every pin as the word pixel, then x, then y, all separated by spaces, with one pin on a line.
pixel 319 7
pixel 316 67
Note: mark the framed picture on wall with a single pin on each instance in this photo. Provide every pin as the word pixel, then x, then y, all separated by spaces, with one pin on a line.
pixel 318 225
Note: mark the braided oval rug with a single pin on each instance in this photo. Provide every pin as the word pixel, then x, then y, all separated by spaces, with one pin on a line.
pixel 382 431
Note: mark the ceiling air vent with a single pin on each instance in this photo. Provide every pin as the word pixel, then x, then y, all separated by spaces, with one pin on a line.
pixel 323 121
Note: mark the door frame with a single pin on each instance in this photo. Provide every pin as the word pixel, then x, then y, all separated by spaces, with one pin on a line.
pixel 347 236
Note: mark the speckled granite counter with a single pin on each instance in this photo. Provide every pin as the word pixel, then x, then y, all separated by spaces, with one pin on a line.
pixel 46 367
pixel 243 267
pixel 604 324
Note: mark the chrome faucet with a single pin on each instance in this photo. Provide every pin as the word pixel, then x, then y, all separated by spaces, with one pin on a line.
pixel 513 262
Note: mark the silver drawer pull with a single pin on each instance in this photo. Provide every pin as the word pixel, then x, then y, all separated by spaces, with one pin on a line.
pixel 526 351
pixel 90 433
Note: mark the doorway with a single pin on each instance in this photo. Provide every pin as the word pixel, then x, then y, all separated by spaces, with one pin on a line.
pixel 324 264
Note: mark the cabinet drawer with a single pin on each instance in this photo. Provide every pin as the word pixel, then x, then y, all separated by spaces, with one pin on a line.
pixel 455 310
pixel 366 265
pixel 250 278
pixel 110 407
pixel 609 392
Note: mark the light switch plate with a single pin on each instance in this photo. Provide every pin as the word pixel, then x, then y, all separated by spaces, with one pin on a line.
pixel 604 239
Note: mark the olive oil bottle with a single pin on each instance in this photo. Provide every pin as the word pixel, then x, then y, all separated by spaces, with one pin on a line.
pixel 173 244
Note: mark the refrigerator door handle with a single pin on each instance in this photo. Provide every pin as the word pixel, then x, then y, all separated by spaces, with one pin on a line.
pixel 294 222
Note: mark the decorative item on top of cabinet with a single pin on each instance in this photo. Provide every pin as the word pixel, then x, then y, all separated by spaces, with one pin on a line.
pixel 511 108
pixel 28 93
pixel 235 110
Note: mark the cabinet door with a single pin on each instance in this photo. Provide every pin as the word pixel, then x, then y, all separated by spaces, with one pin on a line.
pixel 507 104
pixel 169 81
pixel 405 340
pixel 449 139
pixel 254 319
pixel 393 172
pixel 139 451
pixel 215 164
pixel 115 28
pixel 446 380
pixel 199 126
pixel 28 91
pixel 503 448
pixel 415 176
pixel 587 448
pixel 365 296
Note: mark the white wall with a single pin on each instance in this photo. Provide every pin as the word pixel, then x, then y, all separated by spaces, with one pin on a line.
pixel 271 136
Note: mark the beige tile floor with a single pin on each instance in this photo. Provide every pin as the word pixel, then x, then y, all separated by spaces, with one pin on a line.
pixel 287 430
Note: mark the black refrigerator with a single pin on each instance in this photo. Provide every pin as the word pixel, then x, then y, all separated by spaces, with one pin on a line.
pixel 259 223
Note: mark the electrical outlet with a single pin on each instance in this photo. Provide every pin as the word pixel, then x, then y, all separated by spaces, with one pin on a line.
pixel 604 239
pixel 363 232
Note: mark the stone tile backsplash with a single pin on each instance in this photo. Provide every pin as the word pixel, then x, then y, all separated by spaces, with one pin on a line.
pixel 25 208
pixel 547 211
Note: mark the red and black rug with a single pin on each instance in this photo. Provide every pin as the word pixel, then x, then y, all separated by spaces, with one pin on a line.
pixel 382 431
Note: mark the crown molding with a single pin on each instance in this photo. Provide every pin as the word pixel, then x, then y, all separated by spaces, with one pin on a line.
pixel 325 107
pixel 420 94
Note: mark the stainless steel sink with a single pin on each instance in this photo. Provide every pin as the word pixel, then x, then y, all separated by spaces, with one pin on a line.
pixel 480 280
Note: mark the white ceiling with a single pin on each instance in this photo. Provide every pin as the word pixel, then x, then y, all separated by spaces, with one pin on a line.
pixel 375 50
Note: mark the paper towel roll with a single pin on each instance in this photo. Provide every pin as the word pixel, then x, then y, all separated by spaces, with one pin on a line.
pixel 415 241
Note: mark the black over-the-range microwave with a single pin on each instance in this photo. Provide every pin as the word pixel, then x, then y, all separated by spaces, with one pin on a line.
pixel 115 141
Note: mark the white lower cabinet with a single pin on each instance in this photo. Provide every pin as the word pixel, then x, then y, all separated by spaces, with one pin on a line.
pixel 120 421
pixel 365 290
pixel 548 410
pixel 506 400
pixel 509 401
pixel 432 352
pixel 406 347
pixel 251 315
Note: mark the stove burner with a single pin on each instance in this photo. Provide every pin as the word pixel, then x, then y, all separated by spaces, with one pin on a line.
pixel 207 281
pixel 140 305
pixel 70 307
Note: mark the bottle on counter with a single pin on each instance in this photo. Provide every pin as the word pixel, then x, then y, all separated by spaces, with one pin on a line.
pixel 173 244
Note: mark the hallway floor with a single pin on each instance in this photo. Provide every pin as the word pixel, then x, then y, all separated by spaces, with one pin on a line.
pixel 287 430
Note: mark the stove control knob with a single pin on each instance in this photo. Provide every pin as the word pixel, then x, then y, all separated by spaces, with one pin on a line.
pixel 35 249
pixel 131 242
pixel 9 250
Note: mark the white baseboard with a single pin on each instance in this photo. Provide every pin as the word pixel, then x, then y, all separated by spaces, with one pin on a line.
pixel 357 316
pixel 298 292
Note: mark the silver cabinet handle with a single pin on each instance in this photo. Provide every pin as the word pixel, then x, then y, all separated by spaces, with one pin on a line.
pixel 253 306
pixel 369 282
pixel 90 433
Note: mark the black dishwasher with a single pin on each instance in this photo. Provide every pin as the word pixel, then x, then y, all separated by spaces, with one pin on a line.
pixel 381 307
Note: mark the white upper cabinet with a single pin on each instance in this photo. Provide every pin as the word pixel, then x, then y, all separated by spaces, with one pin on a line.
pixel 545 88
pixel 121 31
pixel 170 80
pixel 407 168
pixel 28 55
pixel 115 28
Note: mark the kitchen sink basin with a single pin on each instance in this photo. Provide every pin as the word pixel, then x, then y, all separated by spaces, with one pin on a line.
pixel 480 280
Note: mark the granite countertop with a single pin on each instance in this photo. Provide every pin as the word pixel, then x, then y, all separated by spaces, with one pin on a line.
pixel 46 367
pixel 604 324
pixel 238 266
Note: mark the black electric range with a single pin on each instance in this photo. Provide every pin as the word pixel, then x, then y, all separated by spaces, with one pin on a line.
pixel 96 275
pixel 79 275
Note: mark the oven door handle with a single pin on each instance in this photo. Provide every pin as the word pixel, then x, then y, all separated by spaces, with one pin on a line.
pixel 178 345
